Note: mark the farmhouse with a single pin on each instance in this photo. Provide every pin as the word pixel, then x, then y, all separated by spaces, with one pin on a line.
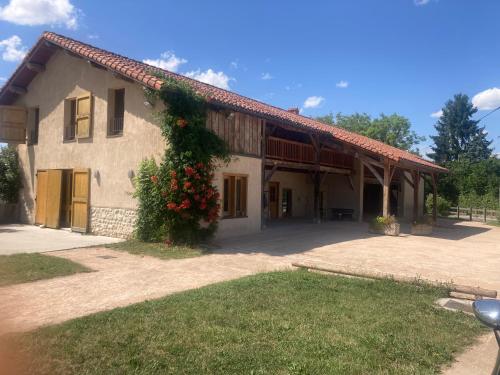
pixel 79 118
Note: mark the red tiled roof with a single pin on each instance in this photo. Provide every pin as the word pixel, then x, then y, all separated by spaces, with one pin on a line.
pixel 141 73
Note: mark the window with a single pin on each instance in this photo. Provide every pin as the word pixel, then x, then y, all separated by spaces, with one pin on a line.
pixel 69 119
pixel 33 125
pixel 116 111
pixel 235 196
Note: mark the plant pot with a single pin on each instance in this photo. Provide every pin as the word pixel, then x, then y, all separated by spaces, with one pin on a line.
pixel 421 229
pixel 387 230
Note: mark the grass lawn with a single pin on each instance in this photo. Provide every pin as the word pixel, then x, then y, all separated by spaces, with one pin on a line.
pixel 23 268
pixel 157 249
pixel 272 323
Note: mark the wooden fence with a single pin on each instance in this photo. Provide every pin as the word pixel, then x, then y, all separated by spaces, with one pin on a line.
pixel 473 214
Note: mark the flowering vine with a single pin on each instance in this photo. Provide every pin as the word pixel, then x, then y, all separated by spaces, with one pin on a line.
pixel 189 203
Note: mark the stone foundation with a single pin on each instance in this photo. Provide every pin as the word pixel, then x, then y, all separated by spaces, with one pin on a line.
pixel 112 222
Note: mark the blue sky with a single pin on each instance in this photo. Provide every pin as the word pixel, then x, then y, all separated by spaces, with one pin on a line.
pixel 402 56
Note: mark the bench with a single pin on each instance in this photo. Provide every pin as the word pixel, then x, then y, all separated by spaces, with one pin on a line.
pixel 341 213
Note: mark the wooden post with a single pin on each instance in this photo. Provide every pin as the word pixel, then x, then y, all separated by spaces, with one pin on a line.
pixel 361 190
pixel 416 185
pixel 458 212
pixel 387 182
pixel 263 219
pixel 470 214
pixel 434 198
pixel 485 214
pixel 317 179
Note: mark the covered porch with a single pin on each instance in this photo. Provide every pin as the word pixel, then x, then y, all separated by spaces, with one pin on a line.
pixel 318 178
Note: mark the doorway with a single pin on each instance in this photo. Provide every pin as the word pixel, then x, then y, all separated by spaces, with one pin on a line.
pixel 274 192
pixel 62 198
pixel 286 203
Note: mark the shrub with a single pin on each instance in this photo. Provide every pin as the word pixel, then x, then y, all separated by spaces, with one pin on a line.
pixel 149 223
pixel 381 221
pixel 443 206
pixel 10 175
pixel 181 190
pixel 489 201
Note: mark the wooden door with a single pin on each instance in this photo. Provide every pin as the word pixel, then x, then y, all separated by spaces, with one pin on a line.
pixel 41 197
pixel 80 200
pixel 53 208
pixel 274 192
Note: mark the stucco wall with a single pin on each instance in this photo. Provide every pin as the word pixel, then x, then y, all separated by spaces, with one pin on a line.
pixel 67 77
pixel 252 168
pixel 302 192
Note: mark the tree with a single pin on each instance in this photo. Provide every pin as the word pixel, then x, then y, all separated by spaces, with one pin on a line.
pixel 458 136
pixel 394 130
pixel 10 175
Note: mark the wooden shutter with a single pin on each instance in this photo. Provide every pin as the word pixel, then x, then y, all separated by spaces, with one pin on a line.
pixel 243 196
pixel 41 197
pixel 54 183
pixel 83 115
pixel 80 200
pixel 13 124
pixel 232 195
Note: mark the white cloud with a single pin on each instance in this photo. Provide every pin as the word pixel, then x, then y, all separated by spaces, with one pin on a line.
pixel 167 61
pixel 313 101
pixel 93 36
pixel 40 12
pixel 487 99
pixel 234 64
pixel 3 79
pixel 219 79
pixel 342 84
pixel 12 49
pixel 266 76
pixel 437 114
pixel 421 2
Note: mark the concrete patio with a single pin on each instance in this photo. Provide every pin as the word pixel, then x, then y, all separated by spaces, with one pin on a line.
pixel 465 253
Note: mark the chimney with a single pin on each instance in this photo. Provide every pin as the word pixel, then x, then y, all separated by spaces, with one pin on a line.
pixel 293 110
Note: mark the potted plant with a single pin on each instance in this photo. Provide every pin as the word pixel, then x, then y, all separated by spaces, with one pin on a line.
pixel 386 225
pixel 422 226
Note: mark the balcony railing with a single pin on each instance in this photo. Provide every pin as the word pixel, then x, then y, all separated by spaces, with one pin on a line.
pixel 282 149
pixel 115 126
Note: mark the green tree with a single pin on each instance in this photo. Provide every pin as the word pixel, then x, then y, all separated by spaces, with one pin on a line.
pixel 394 130
pixel 10 175
pixel 458 135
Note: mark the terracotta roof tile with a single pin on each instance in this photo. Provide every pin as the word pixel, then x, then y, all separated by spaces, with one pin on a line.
pixel 141 72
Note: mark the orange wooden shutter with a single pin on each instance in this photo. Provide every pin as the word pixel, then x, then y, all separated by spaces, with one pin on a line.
pixel 232 195
pixel 41 197
pixel 13 124
pixel 83 115
pixel 54 184
pixel 80 200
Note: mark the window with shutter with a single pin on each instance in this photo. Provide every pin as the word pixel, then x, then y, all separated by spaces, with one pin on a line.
pixel 70 119
pixel 33 126
pixel 84 116
pixel 234 196
pixel 13 124
pixel 116 111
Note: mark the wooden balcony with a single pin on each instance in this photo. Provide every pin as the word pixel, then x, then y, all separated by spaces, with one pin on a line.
pixel 291 151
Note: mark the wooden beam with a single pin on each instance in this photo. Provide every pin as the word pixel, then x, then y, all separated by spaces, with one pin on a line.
pixel 306 167
pixel 50 45
pixel 416 185
pixel 374 171
pixel 408 181
pixel 263 205
pixel 351 183
pixel 121 76
pixel 361 190
pixel 370 160
pixel 270 174
pixel 385 189
pixel 18 90
pixel 324 177
pixel 434 198
pixel 36 67
pixel 96 65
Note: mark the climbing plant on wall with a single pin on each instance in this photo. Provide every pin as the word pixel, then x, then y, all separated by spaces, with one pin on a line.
pixel 189 203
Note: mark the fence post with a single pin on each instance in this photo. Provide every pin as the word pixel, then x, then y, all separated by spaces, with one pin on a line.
pixel 458 212
pixel 485 214
pixel 470 214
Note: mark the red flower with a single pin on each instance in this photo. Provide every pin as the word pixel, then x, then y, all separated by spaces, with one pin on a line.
pixel 171 206
pixel 196 197
pixel 197 176
pixel 173 185
pixel 173 174
pixel 210 193
pixel 186 203
pixel 189 171
pixel 181 123
pixel 187 185
pixel 203 205
pixel 154 179
pixel 200 165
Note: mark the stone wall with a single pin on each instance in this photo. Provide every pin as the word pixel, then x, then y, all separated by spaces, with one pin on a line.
pixel 112 222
